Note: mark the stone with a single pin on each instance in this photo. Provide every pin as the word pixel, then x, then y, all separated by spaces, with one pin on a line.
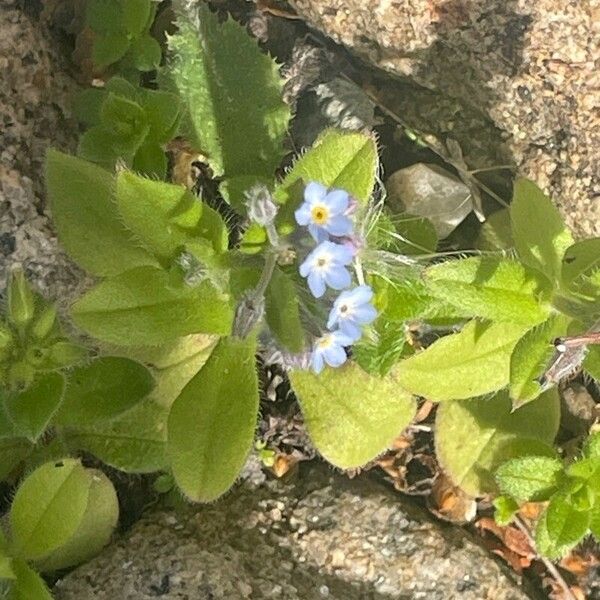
pixel 430 191
pixel 35 114
pixel 513 82
pixel 322 535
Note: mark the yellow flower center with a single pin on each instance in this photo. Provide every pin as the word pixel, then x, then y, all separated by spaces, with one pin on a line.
pixel 321 262
pixel 324 342
pixel 319 214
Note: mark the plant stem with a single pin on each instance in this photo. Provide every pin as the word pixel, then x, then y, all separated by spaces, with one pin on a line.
pixel 550 566
pixel 265 277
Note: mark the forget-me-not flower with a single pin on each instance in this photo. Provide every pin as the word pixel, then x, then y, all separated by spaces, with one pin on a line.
pixel 329 349
pixel 326 265
pixel 351 310
pixel 324 212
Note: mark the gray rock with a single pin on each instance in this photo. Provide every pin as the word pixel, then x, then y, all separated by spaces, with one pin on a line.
pixel 34 114
pixel 324 536
pixel 513 81
pixel 430 191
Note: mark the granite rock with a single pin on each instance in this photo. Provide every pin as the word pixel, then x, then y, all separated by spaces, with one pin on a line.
pixel 324 536
pixel 34 114
pixel 514 82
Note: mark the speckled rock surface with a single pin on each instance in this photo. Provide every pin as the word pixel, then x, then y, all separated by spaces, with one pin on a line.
pixel 34 114
pixel 529 70
pixel 323 537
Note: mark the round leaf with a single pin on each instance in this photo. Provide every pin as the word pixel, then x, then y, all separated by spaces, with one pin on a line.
pixel 48 508
pixel 352 416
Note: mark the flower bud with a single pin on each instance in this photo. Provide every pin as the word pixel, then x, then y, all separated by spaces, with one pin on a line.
pixel 260 205
pixel 45 322
pixel 21 303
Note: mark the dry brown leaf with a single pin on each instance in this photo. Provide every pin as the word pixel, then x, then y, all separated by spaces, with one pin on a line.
pixel 450 503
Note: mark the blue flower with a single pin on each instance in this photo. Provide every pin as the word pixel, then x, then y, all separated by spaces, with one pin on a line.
pixel 324 212
pixel 351 310
pixel 329 349
pixel 326 264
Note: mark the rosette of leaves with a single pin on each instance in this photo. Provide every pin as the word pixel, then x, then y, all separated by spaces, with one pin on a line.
pixel 128 125
pixel 122 34
pixel 572 492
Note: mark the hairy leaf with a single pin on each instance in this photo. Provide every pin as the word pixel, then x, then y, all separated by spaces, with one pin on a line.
pixel 103 389
pixel 352 416
pixel 32 409
pixel 581 263
pixel 540 234
pixel 232 94
pixel 139 308
pixel 530 358
pixel 48 508
pixel 28 584
pixel 530 478
pixel 491 288
pixel 133 442
pixel 211 424
pixel 95 530
pixel 591 364
pixel 81 200
pixel 470 363
pixel 475 436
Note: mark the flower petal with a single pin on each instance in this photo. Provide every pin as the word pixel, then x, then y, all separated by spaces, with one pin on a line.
pixel 342 339
pixel 314 192
pixel 350 330
pixel 337 201
pixel 303 214
pixel 318 233
pixel 339 225
pixel 334 316
pixel 306 266
pixel 334 356
pixel 316 284
pixel 341 253
pixel 316 362
pixel 361 294
pixel 338 278
pixel 364 314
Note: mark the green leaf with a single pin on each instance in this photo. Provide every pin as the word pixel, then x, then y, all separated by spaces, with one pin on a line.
pixel 470 363
pixel 591 448
pixel 100 146
pixel 139 308
pixel 21 301
pixel 474 437
pixel 109 48
pixel 379 349
pixel 102 390
pixel 29 585
pixel 591 363
pixel 81 200
pixel 163 216
pixel 136 14
pixel 530 478
pixel 530 358
pixel 495 234
pixel 595 522
pixel 32 409
pixel 338 159
pixel 560 528
pixel 146 53
pixel 124 118
pixel 587 470
pixel 352 416
pixel 13 450
pixel 95 530
pixel 212 422
pixel 282 312
pixel 48 508
pixel 104 16
pixel 491 288
pixel 134 442
pixel 580 263
pixel 232 94
pixel 6 569
pixel 163 111
pixel 505 510
pixel 150 160
pixel 539 247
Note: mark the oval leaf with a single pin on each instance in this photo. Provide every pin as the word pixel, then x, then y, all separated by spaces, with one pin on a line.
pixel 352 416
pixel 139 308
pixel 81 201
pixel 48 508
pixel 470 363
pixel 212 422
pixel 103 389
pixel 491 288
pixel 28 585
pixel 473 437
